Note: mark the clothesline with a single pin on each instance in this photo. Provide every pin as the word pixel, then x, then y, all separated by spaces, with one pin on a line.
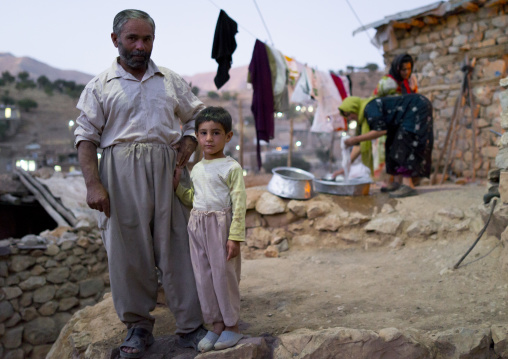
pixel 250 33
pixel 278 80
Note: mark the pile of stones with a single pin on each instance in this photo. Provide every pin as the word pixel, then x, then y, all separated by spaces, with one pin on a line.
pixel 44 279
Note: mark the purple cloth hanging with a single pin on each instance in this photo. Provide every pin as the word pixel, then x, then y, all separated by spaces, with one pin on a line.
pixel 262 97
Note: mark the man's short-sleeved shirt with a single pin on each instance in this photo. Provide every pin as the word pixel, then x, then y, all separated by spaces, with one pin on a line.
pixel 117 108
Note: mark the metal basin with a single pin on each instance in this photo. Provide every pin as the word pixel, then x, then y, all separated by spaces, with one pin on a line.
pixel 291 182
pixel 353 187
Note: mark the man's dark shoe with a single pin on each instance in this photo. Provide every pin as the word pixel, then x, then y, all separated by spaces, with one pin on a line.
pixel 191 340
pixel 403 191
pixel 391 187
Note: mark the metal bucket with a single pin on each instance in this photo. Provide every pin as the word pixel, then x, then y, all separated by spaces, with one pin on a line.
pixel 292 183
pixel 353 187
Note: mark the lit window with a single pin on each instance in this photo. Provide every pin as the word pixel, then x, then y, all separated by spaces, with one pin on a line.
pixel 8 112
pixel 244 173
pixel 238 147
pixel 58 168
pixel 298 143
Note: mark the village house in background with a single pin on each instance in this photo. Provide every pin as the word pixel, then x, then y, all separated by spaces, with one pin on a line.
pixel 443 38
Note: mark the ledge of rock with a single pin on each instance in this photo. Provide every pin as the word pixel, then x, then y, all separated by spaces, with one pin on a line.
pixel 95 333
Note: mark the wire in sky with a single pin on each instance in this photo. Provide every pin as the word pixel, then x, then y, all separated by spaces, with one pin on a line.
pixel 240 25
pixel 360 21
pixel 262 19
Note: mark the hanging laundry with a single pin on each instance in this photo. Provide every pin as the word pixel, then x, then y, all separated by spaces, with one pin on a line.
pixel 339 82
pixel 327 117
pixel 305 90
pixel 262 98
pixel 224 45
pixel 293 74
pixel 279 72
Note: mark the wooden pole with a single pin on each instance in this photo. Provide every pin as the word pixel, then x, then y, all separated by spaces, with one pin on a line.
pixel 290 150
pixel 330 169
pixel 451 126
pixel 447 138
pixel 473 117
pixel 454 131
pixel 240 119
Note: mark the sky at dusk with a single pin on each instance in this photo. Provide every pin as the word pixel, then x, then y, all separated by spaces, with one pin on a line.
pixel 75 35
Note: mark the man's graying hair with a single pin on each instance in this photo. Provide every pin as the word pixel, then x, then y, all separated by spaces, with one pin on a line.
pixel 123 16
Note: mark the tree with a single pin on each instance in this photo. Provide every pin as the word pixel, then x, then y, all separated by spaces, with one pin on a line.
pixel 213 94
pixel 195 90
pixel 27 104
pixel 7 77
pixel 23 76
pixel 27 84
pixel 6 99
pixel 372 67
pixel 43 82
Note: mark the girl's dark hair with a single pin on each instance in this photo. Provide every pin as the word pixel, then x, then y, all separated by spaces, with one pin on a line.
pixel 214 114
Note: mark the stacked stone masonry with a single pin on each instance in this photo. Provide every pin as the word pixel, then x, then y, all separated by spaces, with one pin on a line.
pixel 440 51
pixel 502 156
pixel 43 281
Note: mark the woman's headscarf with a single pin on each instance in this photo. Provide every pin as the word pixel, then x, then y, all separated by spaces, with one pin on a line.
pixel 396 66
pixel 357 105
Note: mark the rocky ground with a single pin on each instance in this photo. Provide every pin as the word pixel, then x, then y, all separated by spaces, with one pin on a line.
pixel 359 282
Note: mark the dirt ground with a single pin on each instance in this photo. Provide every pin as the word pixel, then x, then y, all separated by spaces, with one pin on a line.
pixel 339 284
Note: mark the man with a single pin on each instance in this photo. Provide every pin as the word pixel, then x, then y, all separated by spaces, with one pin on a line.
pixel 133 112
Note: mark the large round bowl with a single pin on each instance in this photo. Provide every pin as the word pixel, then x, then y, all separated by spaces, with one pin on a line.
pixel 292 183
pixel 353 187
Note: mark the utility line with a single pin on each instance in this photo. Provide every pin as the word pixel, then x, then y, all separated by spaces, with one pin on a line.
pixel 262 19
pixel 240 25
pixel 362 25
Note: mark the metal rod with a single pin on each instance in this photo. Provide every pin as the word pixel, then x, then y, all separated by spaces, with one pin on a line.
pixel 240 140
pixel 290 149
pixel 494 202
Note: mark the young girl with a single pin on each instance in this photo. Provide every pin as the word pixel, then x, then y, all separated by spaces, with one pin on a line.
pixel 216 228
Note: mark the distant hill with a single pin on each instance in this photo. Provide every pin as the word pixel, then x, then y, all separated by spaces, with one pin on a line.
pixel 236 83
pixel 14 65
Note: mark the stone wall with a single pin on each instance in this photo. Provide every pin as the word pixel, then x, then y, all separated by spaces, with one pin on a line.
pixel 43 280
pixel 439 51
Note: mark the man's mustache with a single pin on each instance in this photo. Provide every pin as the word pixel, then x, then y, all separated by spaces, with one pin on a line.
pixel 139 53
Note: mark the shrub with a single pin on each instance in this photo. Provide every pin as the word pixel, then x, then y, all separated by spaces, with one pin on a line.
pixel 7 77
pixel 213 94
pixel 226 96
pixel 27 104
pixel 6 99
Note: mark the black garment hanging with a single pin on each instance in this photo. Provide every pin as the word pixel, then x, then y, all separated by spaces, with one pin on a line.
pixel 224 45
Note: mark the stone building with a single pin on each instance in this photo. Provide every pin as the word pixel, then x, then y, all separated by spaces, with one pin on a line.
pixel 442 38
